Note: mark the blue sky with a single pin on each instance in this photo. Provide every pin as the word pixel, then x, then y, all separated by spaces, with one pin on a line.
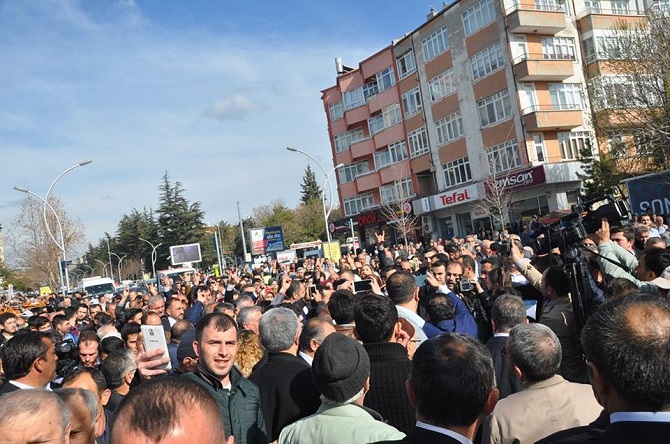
pixel 211 91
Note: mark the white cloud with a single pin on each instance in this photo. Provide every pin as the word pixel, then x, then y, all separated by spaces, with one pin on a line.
pixel 235 107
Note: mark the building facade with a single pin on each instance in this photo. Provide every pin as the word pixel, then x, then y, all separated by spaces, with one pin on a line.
pixel 486 96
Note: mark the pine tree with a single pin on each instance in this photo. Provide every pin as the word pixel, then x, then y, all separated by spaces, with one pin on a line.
pixel 179 222
pixel 310 188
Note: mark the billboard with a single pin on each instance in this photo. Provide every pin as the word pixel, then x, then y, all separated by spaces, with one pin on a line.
pixel 266 240
pixel 180 254
pixel 650 193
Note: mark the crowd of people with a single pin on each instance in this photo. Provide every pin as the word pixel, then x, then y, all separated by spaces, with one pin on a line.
pixel 459 341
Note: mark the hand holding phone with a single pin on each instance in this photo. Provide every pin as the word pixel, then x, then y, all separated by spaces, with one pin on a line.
pixel 153 338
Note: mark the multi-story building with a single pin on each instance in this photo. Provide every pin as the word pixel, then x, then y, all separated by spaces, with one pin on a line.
pixel 484 92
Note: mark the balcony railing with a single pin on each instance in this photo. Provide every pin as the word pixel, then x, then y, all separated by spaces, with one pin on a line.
pixel 546 6
pixel 553 107
pixel 542 56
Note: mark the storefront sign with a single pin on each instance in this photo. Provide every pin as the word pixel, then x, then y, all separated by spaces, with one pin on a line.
pixel 518 180
pixel 456 197
pixel 367 219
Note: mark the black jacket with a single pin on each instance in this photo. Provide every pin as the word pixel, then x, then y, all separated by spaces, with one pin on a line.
pixel 287 391
pixel 389 369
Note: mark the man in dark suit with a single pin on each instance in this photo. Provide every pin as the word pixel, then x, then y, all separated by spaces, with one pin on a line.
pixel 452 386
pixel 627 347
pixel 285 380
pixel 29 361
pixel 508 310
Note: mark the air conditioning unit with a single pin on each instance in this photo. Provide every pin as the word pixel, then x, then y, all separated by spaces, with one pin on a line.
pixel 426 224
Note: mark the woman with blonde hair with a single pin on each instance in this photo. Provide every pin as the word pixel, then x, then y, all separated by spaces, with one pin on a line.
pixel 249 351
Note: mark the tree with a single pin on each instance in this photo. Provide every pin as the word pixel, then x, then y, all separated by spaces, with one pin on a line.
pixel 600 176
pixel 37 256
pixel 179 222
pixel 310 188
pixel 398 211
pixel 632 109
pixel 498 199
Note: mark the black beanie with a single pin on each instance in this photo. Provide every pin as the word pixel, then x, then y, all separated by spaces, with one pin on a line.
pixel 340 367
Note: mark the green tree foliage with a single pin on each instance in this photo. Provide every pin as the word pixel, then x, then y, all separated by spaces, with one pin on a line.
pixel 179 222
pixel 600 175
pixel 310 188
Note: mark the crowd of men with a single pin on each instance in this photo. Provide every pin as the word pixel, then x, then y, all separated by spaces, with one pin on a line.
pixel 461 341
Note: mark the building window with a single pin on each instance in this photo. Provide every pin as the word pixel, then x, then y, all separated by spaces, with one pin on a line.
pixel 573 144
pixel 395 153
pixel 400 190
pixel 457 171
pixel 486 61
pixel 344 140
pixel 558 48
pixel 335 111
pixel 504 156
pixel 435 44
pixel 411 102
pixel 418 142
pixel 385 79
pixel 478 16
pixel 620 91
pixel 538 141
pixel 370 89
pixel 349 173
pixel 405 64
pixel 495 108
pixel 449 128
pixel 442 85
pixel 353 99
pixel 620 7
pixel 390 116
pixel 566 96
pixel 358 204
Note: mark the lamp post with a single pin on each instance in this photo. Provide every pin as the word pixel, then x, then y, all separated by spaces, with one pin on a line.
pixel 326 212
pixel 104 265
pixel 153 257
pixel 44 215
pixel 118 264
pixel 61 245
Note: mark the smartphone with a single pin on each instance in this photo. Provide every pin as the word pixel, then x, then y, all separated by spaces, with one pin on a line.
pixel 362 285
pixel 153 337
pixel 312 290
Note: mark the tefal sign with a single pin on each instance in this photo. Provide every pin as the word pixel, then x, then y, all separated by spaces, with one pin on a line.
pixel 456 197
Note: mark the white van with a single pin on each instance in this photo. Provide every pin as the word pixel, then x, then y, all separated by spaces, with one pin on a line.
pixel 97 286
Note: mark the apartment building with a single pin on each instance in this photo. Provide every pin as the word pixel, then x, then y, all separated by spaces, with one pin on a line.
pixel 484 92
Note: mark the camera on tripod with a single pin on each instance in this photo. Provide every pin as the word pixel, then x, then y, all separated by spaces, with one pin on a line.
pixel 586 218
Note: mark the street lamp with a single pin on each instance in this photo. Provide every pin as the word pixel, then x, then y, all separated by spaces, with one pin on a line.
pixel 153 257
pixel 118 264
pixel 104 265
pixel 326 213
pixel 63 282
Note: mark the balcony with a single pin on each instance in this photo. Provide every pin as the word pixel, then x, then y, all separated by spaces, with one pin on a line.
pixel 598 17
pixel 544 67
pixel 535 17
pixel 553 117
pixel 367 182
pixel 356 115
pixel 362 148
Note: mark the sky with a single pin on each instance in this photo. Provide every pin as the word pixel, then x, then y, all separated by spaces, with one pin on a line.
pixel 211 91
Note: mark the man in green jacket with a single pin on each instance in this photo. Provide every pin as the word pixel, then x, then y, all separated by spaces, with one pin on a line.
pixel 238 398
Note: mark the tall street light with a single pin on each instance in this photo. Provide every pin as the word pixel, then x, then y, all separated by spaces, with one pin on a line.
pixel 326 212
pixel 118 264
pixel 153 257
pixel 104 265
pixel 46 222
pixel 61 244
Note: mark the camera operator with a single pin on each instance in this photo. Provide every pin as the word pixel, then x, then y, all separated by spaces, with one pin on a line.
pixel 446 278
pixel 557 313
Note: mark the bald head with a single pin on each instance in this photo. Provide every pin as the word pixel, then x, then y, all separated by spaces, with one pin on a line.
pixel 180 409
